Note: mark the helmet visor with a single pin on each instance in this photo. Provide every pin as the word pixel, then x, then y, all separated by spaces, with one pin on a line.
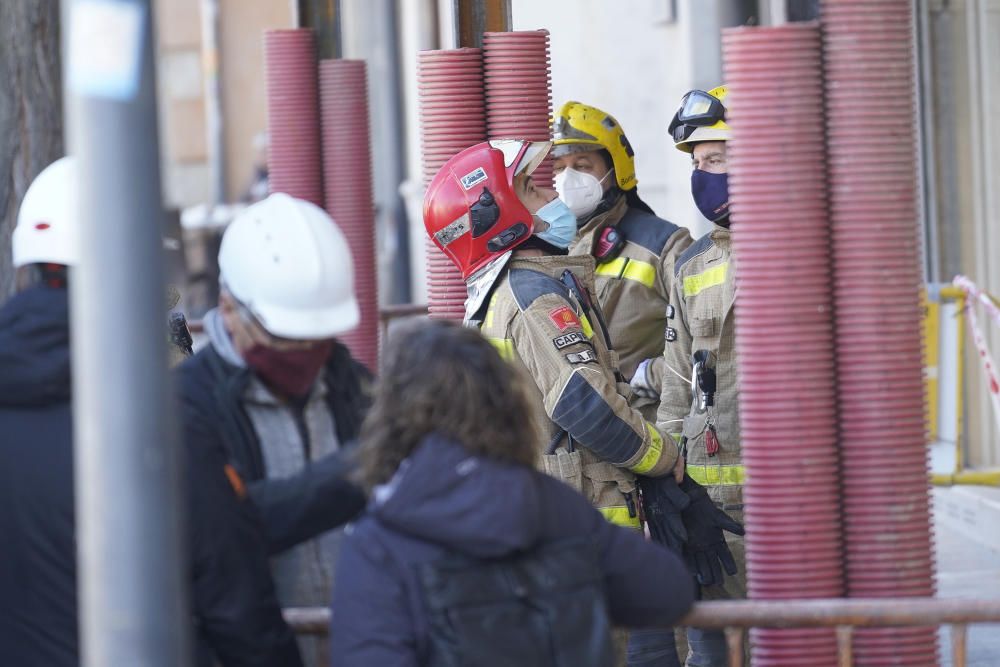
pixel 534 154
pixel 698 109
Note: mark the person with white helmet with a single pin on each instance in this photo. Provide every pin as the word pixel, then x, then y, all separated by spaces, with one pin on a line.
pixel 232 595
pixel 279 392
pixel 702 344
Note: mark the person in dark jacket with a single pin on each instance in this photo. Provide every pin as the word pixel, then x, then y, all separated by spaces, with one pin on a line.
pixel 448 455
pixel 234 608
pixel 279 393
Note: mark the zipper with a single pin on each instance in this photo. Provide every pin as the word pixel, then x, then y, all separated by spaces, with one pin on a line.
pixel 299 414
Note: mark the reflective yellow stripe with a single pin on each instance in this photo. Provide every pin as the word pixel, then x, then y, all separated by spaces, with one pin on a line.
pixel 613 269
pixel 652 455
pixel 708 278
pixel 505 346
pixel 716 475
pixel 641 272
pixel 619 516
pixel 629 269
pixel 488 320
pixel 588 330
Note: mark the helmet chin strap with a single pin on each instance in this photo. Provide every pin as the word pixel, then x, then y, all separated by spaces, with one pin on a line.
pixel 535 243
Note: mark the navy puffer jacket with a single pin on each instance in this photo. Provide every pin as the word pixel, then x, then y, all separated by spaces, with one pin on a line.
pixel 236 614
pixel 444 501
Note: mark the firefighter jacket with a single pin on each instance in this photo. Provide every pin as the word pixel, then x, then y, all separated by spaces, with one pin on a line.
pixel 633 285
pixel 539 324
pixel 704 289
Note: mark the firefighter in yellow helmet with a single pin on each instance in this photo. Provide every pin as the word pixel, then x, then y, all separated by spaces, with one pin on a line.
pixel 634 250
pixel 701 345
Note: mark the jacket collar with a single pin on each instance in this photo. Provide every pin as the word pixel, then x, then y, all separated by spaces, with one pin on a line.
pixel 721 236
pixel 554 265
pixel 591 230
pixel 220 339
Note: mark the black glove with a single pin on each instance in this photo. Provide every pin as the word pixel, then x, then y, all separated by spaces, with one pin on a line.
pixel 663 502
pixel 706 545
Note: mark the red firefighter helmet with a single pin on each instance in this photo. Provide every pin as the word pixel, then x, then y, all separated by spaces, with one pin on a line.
pixel 471 210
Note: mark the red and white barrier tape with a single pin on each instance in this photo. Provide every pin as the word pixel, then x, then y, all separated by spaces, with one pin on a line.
pixel 985 357
pixel 982 297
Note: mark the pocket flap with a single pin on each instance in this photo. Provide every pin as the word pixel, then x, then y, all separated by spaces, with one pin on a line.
pixel 605 472
pixel 702 326
pixel 565 466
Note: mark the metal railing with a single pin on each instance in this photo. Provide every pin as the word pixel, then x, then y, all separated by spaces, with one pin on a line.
pixel 734 617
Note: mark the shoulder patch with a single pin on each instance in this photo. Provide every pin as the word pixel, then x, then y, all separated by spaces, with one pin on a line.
pixel 528 285
pixel 572 338
pixel 564 318
pixel 647 230
pixel 585 357
pixel 699 247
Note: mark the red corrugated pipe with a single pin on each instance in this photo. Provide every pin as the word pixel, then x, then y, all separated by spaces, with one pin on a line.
pixel 347 180
pixel 784 329
pixel 519 89
pixel 871 143
pixel 293 158
pixel 452 118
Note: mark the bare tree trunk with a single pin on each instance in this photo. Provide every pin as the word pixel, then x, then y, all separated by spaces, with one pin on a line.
pixel 31 114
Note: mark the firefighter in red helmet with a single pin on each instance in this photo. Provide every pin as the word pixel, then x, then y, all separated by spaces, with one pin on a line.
pixel 509 238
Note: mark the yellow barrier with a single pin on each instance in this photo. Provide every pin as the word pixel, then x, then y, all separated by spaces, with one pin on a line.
pixel 961 476
pixel 932 354
pixel 972 477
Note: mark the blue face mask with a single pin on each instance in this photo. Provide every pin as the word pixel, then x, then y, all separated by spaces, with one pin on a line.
pixel 562 224
pixel 711 194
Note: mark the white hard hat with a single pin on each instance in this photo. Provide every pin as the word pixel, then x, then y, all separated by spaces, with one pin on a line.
pixel 46 230
pixel 289 263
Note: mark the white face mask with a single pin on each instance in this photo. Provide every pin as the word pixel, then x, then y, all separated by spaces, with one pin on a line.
pixel 581 192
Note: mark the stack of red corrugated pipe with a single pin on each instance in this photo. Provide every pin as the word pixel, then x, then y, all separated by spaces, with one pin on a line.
pixel 452 118
pixel 293 158
pixel 868 54
pixel 784 329
pixel 347 179
pixel 519 90
pixel 335 170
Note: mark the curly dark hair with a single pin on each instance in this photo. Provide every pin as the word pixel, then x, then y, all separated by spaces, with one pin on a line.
pixel 439 377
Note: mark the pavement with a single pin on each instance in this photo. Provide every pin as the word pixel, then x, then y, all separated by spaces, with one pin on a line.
pixel 967 531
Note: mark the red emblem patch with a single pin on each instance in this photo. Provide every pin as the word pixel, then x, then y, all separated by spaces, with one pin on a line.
pixel 564 318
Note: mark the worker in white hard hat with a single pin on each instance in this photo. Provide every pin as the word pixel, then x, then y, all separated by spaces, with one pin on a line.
pixel 232 595
pixel 280 392
pixel 700 394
